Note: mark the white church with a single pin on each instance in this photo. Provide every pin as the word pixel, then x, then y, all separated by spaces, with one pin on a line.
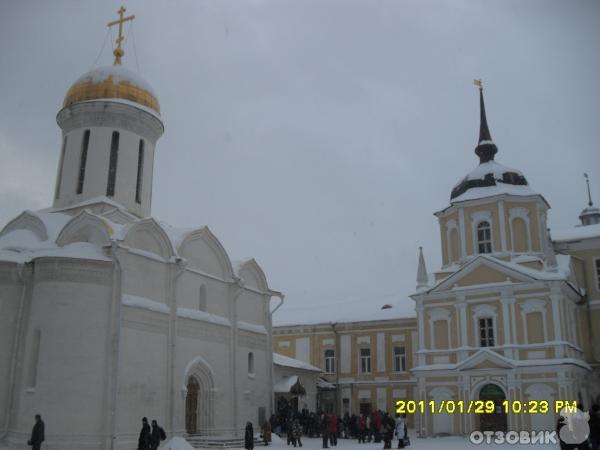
pixel 108 314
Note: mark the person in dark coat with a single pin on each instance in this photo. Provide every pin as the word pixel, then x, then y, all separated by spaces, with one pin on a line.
pixel 155 436
pixel 37 433
pixel 324 426
pixel 144 439
pixel 249 437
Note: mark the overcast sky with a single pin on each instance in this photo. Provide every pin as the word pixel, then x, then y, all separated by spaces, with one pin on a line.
pixel 319 136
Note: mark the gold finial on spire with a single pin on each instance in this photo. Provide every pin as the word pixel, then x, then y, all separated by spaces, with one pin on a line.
pixel 478 83
pixel 119 52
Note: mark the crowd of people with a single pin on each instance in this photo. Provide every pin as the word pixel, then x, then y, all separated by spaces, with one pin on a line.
pixel 375 427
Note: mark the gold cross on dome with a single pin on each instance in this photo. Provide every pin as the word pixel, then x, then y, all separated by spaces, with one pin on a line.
pixel 478 83
pixel 120 21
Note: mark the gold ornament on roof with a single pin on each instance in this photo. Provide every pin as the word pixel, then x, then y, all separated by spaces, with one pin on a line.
pixel 113 82
pixel 119 52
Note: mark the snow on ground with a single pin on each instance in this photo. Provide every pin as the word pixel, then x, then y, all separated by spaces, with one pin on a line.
pixel 442 443
pixel 176 443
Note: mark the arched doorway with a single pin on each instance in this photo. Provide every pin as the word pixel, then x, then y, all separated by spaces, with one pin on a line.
pixel 495 421
pixel 199 401
pixel 191 406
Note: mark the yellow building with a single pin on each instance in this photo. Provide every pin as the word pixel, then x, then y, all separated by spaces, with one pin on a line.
pixel 511 317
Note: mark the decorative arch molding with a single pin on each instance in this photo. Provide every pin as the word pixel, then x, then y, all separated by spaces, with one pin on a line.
pixel 27 221
pixel 534 305
pixel 199 369
pixel 257 278
pixel 85 227
pixel 476 218
pixel 119 216
pixel 148 235
pixel 476 388
pixel 519 213
pixel 206 236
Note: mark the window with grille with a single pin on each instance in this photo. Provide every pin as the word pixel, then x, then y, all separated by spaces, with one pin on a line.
pixel 486 332
pixel 329 361
pixel 112 165
pixel 365 360
pixel 399 359
pixel 598 273
pixel 484 237
pixel 82 160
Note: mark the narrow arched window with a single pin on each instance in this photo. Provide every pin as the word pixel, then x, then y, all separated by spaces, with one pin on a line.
pixel 202 298
pixel 112 165
pixel 140 173
pixel 82 160
pixel 250 363
pixel 484 237
pixel 60 168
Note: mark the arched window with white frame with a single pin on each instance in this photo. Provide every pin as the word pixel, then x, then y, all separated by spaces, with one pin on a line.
pixel 484 237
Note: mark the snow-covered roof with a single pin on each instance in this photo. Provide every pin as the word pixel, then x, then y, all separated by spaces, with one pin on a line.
pixel 285 385
pixel 324 384
pixel 84 229
pixel 491 191
pixel 21 245
pixel 576 233
pixel 286 361
pixel 489 179
pixel 342 311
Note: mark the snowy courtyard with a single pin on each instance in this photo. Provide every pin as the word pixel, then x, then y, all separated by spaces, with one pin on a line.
pixel 443 443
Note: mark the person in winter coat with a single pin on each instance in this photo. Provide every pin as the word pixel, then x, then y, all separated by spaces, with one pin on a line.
pixel 333 430
pixel 249 437
pixel 266 432
pixel 297 433
pixel 290 431
pixel 144 439
pixel 324 429
pixel 401 431
pixel 361 427
pixel 157 434
pixel 37 433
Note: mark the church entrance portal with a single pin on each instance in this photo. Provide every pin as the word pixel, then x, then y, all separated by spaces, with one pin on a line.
pixel 495 421
pixel 191 406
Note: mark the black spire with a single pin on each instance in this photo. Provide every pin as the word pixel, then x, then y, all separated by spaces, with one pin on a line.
pixel 485 149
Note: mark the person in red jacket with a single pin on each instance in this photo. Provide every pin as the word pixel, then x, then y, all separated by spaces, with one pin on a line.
pixel 362 425
pixel 333 430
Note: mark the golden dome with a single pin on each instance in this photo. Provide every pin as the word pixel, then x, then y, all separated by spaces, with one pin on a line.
pixel 112 82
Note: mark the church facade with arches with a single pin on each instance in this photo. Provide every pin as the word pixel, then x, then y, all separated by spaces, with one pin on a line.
pixel 108 314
